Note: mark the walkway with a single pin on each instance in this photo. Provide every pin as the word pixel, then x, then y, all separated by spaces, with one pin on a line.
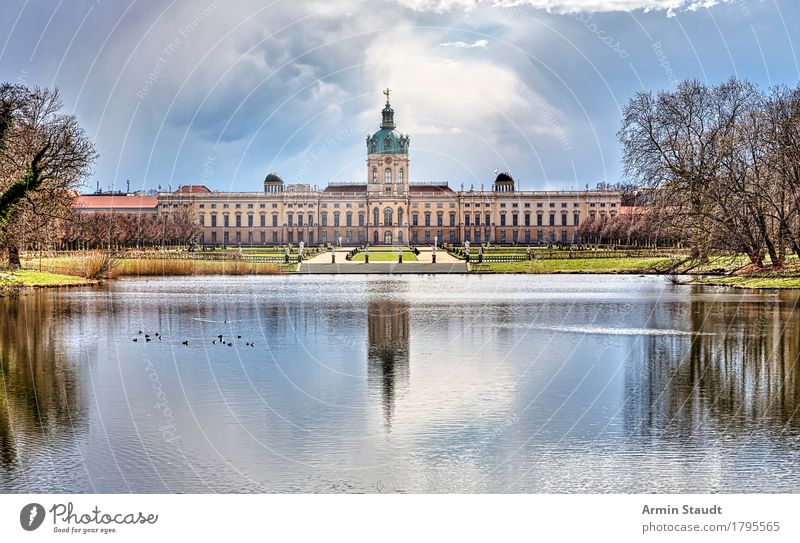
pixel 445 263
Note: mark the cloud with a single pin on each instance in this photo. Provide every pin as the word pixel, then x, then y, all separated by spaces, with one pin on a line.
pixel 563 6
pixel 477 44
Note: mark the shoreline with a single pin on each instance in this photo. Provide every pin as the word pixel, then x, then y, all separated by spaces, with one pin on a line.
pixel 27 279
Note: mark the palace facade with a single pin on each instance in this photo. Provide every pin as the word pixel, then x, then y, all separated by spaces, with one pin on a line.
pixel 388 208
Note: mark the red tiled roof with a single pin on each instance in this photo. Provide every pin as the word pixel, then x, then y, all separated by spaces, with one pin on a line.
pixel 118 202
pixel 430 188
pixel 194 189
pixel 346 188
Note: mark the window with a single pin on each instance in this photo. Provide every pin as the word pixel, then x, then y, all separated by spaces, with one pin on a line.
pixel 503 219
pixel 387 176
pixel 263 223
pixel 299 219
pixel 290 219
pixel 324 219
pixel 439 219
pixel 400 175
pixel 348 219
pixel 238 221
pixel 487 222
pixel 374 175
pixel 226 220
pixel 213 220
pixel 452 219
pixel 552 220
pixel 539 219
pixel 477 219
pixel 387 216
pixel 274 219
pixel 250 221
pixel 576 219
pixel 514 220
pixel 310 220
pixel 375 215
pixel 415 219
pixel 336 218
pixel 466 219
pixel 563 219
pixel 360 219
pixel 427 219
pixel 527 219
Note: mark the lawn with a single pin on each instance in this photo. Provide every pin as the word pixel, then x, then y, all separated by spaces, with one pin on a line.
pixel 577 265
pixel 385 256
pixel 29 278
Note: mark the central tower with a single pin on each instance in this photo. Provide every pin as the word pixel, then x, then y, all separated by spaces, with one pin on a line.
pixel 387 157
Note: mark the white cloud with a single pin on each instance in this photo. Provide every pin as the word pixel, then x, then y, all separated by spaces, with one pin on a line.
pixel 477 44
pixel 564 6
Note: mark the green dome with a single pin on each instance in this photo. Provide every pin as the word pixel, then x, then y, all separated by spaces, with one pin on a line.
pixel 387 140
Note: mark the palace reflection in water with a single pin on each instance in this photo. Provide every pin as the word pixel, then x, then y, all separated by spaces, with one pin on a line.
pixel 462 384
pixel 388 351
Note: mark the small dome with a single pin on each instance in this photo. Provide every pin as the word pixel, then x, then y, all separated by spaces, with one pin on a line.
pixel 503 176
pixel 273 178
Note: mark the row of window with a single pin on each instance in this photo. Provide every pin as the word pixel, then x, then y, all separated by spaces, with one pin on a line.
pixel 387 175
pixel 388 219
pixel 350 237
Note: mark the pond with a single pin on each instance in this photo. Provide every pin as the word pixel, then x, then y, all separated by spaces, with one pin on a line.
pixel 550 383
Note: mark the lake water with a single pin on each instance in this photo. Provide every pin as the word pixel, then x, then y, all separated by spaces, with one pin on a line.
pixel 400 384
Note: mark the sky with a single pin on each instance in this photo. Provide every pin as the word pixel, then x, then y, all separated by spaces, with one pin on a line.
pixel 222 92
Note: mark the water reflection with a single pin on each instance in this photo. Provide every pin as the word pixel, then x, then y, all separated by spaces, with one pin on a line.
pixel 41 398
pixel 388 352
pixel 736 375
pixel 465 384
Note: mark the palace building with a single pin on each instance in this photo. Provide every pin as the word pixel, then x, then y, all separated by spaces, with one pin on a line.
pixel 388 207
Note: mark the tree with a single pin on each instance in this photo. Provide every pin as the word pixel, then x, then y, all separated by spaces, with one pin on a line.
pixel 44 156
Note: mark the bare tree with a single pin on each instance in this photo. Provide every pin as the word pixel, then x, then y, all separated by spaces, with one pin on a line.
pixel 44 156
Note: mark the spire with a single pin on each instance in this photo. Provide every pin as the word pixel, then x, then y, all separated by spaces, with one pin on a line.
pixel 388 113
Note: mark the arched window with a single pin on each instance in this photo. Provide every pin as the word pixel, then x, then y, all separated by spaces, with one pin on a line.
pixel 387 176
pixel 400 217
pixel 387 216
pixel 374 175
pixel 401 175
pixel 375 215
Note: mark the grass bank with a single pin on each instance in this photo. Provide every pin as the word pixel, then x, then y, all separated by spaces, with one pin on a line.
pixel 37 279
pixel 640 265
pixel 786 278
pixel 578 265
